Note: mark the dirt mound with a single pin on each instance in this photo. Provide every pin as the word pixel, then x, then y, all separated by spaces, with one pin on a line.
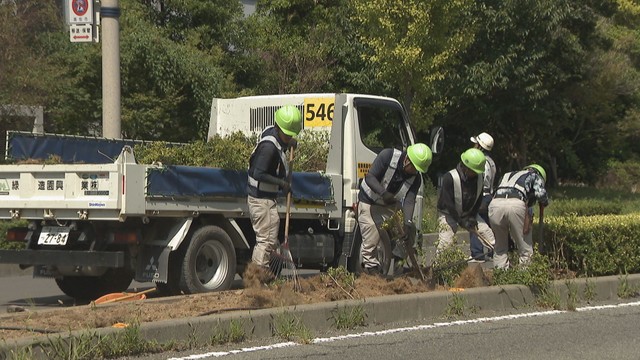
pixel 472 276
pixel 256 295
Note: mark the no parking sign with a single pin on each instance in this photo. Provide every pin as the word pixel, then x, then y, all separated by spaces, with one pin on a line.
pixel 79 11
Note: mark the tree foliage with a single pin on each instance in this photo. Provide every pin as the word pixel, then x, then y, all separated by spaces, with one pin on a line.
pixel 413 46
pixel 554 81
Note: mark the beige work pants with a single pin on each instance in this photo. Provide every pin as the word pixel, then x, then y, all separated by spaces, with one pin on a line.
pixel 370 217
pixel 507 218
pixel 266 222
pixel 448 227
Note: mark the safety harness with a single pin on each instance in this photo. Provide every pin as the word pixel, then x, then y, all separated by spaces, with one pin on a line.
pixel 457 191
pixel 512 185
pixel 271 189
pixel 386 180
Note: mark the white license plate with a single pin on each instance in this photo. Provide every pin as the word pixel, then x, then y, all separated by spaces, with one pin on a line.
pixel 54 235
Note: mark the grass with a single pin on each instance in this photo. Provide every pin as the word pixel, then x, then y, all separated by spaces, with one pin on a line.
pixel 288 326
pixel 347 318
pixel 455 306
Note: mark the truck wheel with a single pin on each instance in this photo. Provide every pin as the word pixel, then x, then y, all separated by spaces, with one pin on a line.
pixel 354 263
pixel 209 263
pixel 92 287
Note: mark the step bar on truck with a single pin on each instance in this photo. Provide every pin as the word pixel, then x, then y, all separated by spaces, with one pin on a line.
pixel 112 259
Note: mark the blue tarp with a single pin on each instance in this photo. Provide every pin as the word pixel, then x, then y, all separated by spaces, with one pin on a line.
pixel 211 182
pixel 71 149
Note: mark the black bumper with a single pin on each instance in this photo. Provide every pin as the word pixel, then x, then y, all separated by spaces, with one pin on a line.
pixel 112 259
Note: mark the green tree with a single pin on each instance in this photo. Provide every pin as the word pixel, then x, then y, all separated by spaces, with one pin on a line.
pixel 412 45
pixel 297 46
pixel 519 78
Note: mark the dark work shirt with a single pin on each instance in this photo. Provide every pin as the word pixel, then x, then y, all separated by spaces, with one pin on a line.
pixel 470 196
pixel 376 174
pixel 265 164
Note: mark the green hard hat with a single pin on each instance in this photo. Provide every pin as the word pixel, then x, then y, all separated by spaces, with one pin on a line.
pixel 420 156
pixel 474 159
pixel 289 120
pixel 539 169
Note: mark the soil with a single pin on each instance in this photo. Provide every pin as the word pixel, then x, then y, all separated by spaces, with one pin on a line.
pixel 254 295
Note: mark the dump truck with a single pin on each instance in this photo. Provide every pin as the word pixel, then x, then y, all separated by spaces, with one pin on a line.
pixel 97 225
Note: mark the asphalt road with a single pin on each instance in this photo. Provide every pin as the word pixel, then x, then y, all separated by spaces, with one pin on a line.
pixel 598 333
pixel 39 293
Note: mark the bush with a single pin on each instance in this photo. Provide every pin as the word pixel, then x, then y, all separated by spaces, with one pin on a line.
pixel 4 226
pixel 595 245
pixel 584 207
pixel 232 152
pixel 622 176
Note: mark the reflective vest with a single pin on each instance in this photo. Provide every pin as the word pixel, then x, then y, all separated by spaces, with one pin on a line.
pixel 514 180
pixel 457 191
pixel 386 179
pixel 271 189
pixel 489 176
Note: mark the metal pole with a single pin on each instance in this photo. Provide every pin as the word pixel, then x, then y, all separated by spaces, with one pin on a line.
pixel 110 12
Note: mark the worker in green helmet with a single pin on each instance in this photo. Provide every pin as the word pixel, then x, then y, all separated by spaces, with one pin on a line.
pixel 392 182
pixel 459 200
pixel 268 176
pixel 517 192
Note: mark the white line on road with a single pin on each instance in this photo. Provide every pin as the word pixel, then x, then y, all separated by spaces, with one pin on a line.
pixel 399 330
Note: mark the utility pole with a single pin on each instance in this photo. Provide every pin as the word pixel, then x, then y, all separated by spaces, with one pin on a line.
pixel 111 113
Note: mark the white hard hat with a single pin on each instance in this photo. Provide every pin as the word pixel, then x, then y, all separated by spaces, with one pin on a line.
pixel 484 140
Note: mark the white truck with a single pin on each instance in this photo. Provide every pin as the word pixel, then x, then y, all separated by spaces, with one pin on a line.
pixel 96 227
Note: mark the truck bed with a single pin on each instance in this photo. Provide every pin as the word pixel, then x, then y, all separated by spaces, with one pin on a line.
pixel 117 191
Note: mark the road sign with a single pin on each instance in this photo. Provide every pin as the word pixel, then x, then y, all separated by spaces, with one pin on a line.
pixel 81 33
pixel 79 11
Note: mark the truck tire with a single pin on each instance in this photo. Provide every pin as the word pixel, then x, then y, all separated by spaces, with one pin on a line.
pixel 92 287
pixel 209 263
pixel 354 262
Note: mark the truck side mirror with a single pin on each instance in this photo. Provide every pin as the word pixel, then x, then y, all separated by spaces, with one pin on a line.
pixel 436 142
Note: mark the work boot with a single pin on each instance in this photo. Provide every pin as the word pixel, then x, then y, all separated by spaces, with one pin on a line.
pixel 374 271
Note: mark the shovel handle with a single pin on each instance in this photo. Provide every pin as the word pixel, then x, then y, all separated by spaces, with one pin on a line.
pixel 288 212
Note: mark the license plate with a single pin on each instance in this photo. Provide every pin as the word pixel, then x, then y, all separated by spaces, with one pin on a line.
pixel 54 235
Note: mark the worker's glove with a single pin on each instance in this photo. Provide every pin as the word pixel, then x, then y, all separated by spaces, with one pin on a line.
pixel 293 143
pixel 388 198
pixel 469 223
pixel 285 186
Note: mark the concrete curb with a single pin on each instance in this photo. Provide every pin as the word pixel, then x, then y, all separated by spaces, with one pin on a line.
pixel 259 324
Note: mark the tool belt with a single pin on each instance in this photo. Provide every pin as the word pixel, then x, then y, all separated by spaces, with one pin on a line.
pixel 511 194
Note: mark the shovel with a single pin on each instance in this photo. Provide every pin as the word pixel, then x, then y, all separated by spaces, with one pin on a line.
pixel 541 226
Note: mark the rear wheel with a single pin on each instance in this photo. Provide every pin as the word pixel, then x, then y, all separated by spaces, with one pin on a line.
pixel 209 263
pixel 92 287
pixel 354 263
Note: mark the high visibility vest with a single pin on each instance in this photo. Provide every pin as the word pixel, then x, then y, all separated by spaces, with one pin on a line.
pixel 386 179
pixel 514 180
pixel 272 189
pixel 457 191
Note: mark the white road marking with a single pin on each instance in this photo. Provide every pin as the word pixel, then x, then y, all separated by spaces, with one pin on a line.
pixel 399 330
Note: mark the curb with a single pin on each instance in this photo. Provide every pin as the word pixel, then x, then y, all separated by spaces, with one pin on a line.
pixel 259 324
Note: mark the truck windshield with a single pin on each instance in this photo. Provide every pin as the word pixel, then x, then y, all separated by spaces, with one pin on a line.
pixel 381 124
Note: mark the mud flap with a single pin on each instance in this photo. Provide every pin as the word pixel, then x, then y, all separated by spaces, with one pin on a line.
pixel 153 264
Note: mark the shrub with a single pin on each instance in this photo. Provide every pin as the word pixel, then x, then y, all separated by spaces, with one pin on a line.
pixel 596 245
pixel 622 176
pixel 4 226
pixel 584 207
pixel 232 152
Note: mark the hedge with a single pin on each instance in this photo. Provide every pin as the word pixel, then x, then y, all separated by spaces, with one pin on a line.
pixel 594 245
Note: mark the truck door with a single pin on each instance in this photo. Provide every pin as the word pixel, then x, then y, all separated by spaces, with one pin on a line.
pixel 380 123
